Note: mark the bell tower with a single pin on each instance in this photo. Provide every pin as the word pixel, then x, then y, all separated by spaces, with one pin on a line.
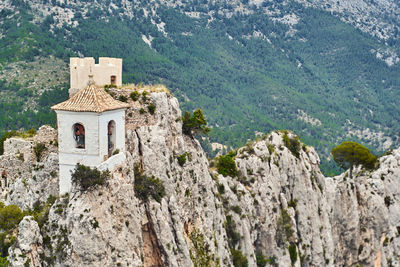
pixel 91 128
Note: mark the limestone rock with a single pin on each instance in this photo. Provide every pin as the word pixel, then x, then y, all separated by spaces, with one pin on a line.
pixel 280 207
pixel 28 247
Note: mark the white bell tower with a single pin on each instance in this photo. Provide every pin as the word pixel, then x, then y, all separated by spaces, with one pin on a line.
pixel 91 128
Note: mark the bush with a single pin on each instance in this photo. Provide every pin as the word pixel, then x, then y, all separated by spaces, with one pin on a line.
pixel 293 144
pixel 293 253
pixel 144 96
pixel 39 148
pixel 233 236
pixel 88 178
pixel 226 166
pixel 4 262
pixel 236 209
pixel 148 186
pixel 182 159
pixel 194 124
pixel 123 98
pixel 134 95
pixel 261 259
pixel 200 254
pixel 10 216
pixel 238 259
pixel 283 228
pixel 151 108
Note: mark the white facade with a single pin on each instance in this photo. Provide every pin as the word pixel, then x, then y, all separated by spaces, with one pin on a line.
pixel 96 149
pixel 107 71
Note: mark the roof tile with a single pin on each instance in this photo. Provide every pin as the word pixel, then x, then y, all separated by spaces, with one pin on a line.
pixel 90 99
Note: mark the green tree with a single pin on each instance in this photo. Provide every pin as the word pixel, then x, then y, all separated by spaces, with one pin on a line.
pixel 349 154
pixel 194 124
pixel 226 165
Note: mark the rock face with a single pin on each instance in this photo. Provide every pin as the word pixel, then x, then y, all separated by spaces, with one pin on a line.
pixel 279 209
pixel 28 248
pixel 25 178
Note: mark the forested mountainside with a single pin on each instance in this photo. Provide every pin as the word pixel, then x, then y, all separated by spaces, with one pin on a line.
pixel 252 66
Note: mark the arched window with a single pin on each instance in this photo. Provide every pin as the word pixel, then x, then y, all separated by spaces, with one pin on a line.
pixel 79 135
pixel 113 80
pixel 111 137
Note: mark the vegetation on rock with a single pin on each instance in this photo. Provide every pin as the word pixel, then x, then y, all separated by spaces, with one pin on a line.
pixel 238 259
pixel 200 254
pixel 10 216
pixel 349 154
pixel 293 144
pixel 148 186
pixel 89 178
pixel 194 124
pixel 39 148
pixel 226 165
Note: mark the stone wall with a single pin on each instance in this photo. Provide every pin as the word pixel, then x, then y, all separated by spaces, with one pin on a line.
pixel 80 68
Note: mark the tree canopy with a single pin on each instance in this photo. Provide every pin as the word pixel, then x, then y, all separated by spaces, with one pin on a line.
pixel 349 154
pixel 194 124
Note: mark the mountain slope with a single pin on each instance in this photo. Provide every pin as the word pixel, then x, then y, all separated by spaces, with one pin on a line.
pixel 251 68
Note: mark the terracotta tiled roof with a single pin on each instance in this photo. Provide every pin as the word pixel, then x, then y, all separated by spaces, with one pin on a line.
pixel 90 99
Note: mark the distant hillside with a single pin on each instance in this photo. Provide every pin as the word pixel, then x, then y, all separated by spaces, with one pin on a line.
pixel 252 66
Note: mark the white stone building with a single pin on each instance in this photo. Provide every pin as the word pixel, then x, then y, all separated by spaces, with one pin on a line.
pixel 91 128
pixel 107 71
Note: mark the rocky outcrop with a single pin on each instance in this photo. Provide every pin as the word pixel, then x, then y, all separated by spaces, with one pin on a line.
pixel 25 178
pixel 279 209
pixel 26 251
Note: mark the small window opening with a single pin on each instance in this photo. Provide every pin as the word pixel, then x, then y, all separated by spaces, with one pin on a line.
pixel 79 135
pixel 113 80
pixel 111 137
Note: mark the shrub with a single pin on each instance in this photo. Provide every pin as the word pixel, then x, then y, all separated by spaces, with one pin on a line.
pixel 226 165
pixel 123 98
pixel 388 201
pixel 116 152
pixel 261 259
pixel 233 236
pixel 236 209
pixel 144 96
pixel 194 124
pixel 151 108
pixel 146 186
pixel 293 144
pixel 134 95
pixel 39 148
pixel 271 148
pixel 4 262
pixel 142 111
pixel 238 259
pixel 200 255
pixel 221 189
pixel 283 228
pixel 10 216
pixel 88 178
pixel 182 159
pixel 293 203
pixel 293 253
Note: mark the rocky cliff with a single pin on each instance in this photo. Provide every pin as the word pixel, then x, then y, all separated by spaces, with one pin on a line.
pixel 279 210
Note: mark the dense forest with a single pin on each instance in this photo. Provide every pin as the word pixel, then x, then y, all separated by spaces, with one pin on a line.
pixel 248 72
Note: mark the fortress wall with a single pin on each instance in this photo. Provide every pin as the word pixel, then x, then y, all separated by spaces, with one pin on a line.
pixel 80 68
